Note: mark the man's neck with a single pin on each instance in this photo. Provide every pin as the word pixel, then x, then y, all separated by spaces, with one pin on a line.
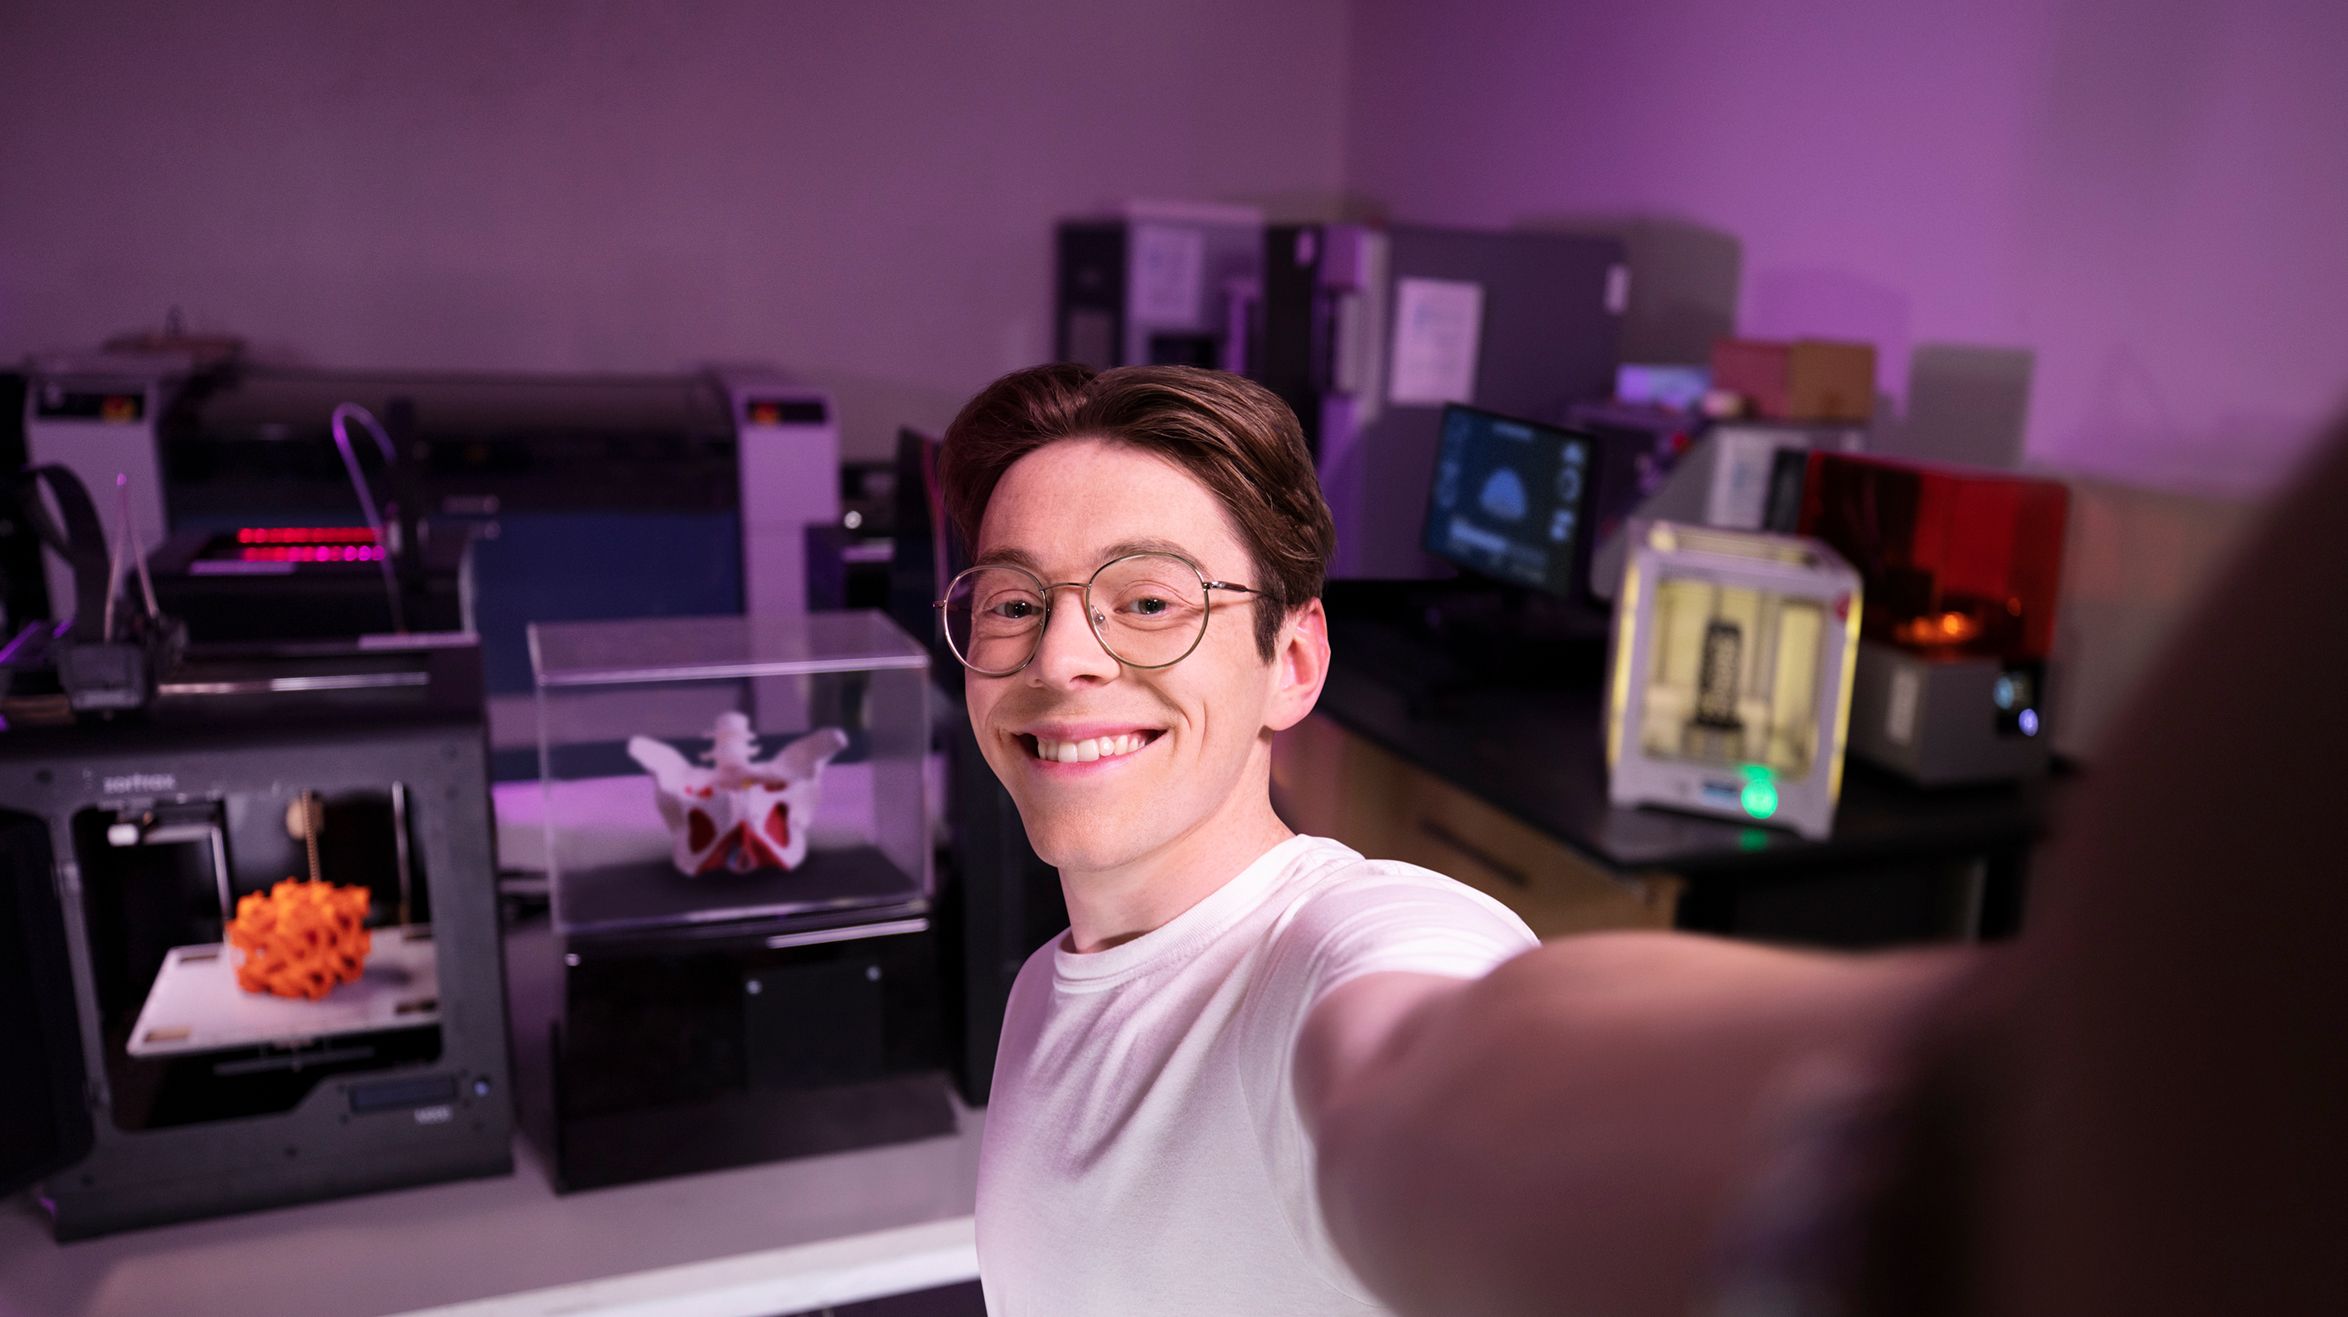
pixel 1110 906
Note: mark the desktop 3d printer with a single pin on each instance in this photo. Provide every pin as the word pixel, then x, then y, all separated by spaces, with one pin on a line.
pixel 246 915
pixel 1730 678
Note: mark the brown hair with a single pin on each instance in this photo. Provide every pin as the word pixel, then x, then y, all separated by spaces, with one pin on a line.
pixel 1231 434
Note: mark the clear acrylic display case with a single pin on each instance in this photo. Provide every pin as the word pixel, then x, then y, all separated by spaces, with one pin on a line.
pixel 613 866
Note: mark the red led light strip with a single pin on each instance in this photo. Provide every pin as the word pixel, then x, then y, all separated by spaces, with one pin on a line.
pixel 305 535
pixel 310 553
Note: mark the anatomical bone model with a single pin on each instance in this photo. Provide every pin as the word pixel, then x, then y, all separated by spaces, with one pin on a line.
pixel 739 814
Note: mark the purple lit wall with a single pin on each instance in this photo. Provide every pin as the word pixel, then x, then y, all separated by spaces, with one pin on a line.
pixel 861 193
pixel 2138 206
pixel 2129 212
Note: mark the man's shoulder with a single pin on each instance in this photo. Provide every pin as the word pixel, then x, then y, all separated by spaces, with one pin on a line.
pixel 1038 965
pixel 1341 875
pixel 1348 890
pixel 1034 976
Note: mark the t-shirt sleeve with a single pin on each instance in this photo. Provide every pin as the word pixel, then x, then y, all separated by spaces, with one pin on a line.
pixel 1383 917
pixel 1373 917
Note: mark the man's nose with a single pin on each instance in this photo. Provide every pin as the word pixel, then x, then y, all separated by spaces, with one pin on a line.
pixel 1068 650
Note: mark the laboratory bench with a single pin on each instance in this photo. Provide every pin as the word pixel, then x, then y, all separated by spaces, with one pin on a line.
pixel 1495 773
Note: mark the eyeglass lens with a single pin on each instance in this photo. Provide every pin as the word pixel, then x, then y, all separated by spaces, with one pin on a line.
pixel 1149 610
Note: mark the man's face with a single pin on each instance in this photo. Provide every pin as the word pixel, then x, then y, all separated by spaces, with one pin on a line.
pixel 1178 740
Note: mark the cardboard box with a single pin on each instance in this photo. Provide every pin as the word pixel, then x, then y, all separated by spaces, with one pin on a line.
pixel 1810 379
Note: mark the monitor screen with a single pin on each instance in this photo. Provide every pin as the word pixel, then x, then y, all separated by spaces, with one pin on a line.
pixel 1507 498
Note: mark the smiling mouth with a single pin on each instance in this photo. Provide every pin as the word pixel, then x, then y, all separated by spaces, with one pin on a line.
pixel 1089 750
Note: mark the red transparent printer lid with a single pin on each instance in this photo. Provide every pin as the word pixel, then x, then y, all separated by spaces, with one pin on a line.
pixel 1955 562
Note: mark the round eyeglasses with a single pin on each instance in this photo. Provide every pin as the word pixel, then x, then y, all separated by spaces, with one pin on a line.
pixel 1149 610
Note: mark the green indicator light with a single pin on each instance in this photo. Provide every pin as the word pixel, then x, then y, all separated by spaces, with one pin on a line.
pixel 1760 795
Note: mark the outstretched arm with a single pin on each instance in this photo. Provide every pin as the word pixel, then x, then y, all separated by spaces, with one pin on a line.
pixel 1568 1133
pixel 2147 1085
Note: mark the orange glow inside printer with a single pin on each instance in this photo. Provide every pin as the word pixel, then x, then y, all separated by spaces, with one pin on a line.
pixel 1956 562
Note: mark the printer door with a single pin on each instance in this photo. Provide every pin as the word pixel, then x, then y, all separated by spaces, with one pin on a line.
pixel 43 1106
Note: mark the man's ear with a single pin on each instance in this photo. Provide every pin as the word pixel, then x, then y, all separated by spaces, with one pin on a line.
pixel 1299 666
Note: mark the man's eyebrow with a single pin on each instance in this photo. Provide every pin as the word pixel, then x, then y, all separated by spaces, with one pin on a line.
pixel 1125 548
pixel 1007 556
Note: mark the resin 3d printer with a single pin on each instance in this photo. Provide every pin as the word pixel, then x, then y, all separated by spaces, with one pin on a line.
pixel 1963 570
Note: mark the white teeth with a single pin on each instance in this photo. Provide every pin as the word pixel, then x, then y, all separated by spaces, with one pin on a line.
pixel 1089 750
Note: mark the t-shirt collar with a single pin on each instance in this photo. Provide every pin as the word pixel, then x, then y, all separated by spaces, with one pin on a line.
pixel 1180 936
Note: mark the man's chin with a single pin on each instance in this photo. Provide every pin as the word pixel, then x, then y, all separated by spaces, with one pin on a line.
pixel 1078 848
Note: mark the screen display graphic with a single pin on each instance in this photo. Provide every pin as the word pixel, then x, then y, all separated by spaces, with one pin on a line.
pixel 1507 498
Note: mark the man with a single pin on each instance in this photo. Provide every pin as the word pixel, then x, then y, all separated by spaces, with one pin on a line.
pixel 1142 617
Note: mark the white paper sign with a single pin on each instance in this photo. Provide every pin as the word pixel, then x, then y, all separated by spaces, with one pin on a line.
pixel 1438 328
pixel 1169 274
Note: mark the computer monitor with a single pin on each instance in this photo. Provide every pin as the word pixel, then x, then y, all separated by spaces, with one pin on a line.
pixel 1508 497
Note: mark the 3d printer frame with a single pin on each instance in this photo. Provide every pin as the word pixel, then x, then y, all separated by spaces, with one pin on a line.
pixel 203 1098
pixel 1748 738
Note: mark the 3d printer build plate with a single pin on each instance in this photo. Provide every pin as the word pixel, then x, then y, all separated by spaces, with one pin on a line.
pixel 196 1005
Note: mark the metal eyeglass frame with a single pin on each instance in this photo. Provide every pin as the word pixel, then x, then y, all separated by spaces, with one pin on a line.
pixel 1045 590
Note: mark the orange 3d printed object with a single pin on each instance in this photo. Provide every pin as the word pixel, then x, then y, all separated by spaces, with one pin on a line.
pixel 300 939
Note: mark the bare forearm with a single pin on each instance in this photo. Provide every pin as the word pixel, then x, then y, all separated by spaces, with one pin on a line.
pixel 1565 1134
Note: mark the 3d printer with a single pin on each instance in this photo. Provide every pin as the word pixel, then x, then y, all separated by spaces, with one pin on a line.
pixel 372 1053
pixel 1730 676
pixel 249 899
pixel 1963 570
pixel 580 496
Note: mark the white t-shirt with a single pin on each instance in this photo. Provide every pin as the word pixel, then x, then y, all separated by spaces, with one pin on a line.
pixel 1143 1150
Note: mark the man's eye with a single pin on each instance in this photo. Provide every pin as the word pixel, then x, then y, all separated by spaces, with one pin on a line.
pixel 1015 610
pixel 1148 606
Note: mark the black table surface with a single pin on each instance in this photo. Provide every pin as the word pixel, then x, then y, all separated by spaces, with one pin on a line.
pixel 1536 750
